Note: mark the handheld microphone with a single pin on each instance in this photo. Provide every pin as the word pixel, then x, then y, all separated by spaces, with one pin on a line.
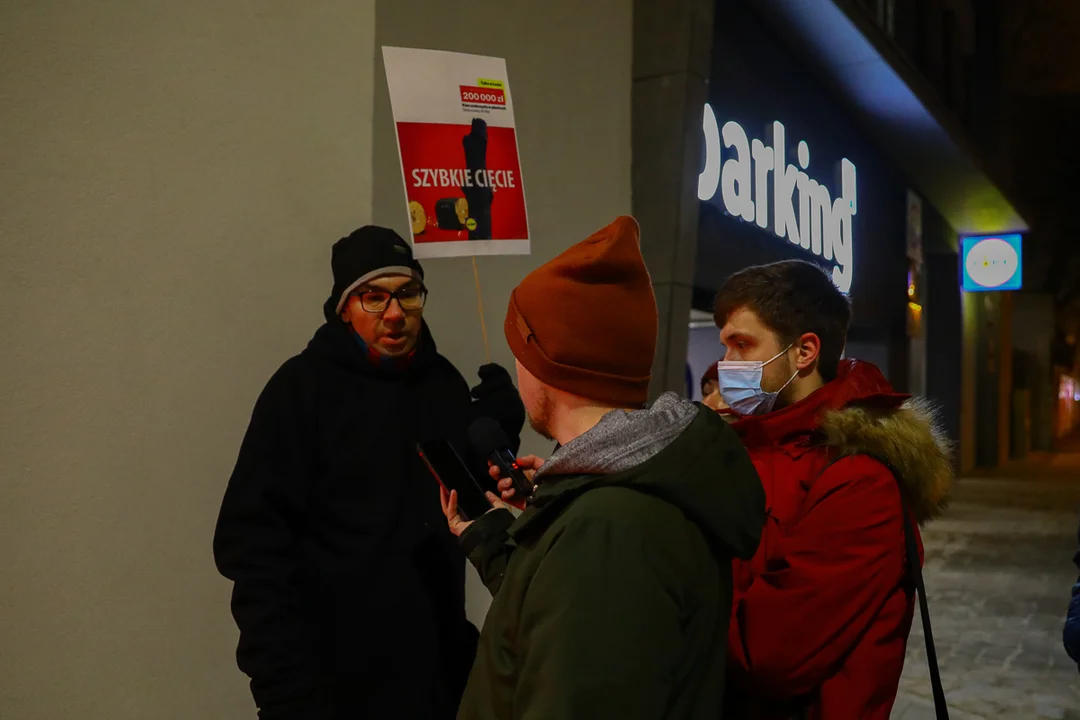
pixel 489 440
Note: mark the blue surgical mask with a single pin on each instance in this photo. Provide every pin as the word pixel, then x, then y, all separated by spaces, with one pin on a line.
pixel 740 385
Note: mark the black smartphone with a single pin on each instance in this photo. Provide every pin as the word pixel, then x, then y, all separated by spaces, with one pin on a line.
pixel 453 474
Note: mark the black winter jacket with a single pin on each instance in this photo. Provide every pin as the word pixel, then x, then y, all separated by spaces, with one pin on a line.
pixel 349 589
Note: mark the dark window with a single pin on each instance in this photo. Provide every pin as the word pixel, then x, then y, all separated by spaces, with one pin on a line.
pixel 967 115
pixel 884 14
pixel 922 35
pixel 949 74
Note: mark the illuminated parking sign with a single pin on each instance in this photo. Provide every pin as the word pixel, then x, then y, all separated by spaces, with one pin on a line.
pixel 992 262
pixel 746 172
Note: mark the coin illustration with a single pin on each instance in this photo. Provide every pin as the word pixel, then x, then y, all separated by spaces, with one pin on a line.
pixel 417 217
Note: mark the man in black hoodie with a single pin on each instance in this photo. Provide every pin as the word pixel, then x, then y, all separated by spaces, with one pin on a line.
pixel 349 590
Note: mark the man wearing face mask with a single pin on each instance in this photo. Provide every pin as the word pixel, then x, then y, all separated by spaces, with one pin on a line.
pixel 349 591
pixel 822 612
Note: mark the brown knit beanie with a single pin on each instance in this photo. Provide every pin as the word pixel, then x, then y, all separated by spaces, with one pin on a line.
pixel 586 322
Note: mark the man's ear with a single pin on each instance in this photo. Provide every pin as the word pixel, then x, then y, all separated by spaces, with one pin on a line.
pixel 809 349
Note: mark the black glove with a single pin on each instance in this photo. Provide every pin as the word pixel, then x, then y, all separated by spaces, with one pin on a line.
pixel 497 398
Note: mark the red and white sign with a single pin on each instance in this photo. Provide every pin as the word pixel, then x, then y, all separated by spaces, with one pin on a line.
pixel 454 116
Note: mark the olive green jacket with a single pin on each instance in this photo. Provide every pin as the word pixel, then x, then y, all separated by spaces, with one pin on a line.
pixel 612 591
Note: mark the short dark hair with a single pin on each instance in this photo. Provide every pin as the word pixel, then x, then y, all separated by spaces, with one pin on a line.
pixel 791 297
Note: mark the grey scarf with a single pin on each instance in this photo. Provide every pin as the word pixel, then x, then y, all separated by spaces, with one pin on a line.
pixel 622 440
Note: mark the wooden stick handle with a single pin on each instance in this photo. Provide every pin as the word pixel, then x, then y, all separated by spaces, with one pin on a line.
pixel 480 305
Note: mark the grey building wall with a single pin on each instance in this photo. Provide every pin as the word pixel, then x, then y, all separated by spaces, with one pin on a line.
pixel 173 176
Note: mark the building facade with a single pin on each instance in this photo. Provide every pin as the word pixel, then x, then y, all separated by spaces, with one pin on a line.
pixel 847 117
pixel 174 176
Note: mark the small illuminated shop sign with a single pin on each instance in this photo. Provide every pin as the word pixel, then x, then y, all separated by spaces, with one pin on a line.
pixel 992 262
pixel 804 212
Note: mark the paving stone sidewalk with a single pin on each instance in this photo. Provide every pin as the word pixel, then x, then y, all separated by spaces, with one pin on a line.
pixel 998 573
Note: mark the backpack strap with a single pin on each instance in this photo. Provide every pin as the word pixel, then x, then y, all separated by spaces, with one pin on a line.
pixel 941 710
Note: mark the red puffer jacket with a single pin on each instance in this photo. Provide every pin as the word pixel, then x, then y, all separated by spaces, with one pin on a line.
pixel 822 612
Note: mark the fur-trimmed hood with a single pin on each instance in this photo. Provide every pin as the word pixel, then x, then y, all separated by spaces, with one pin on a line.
pixel 909 438
pixel 859 413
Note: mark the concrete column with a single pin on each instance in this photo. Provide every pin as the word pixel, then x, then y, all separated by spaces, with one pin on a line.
pixel 992 375
pixel 987 374
pixel 672 54
pixel 968 387
pixel 1005 377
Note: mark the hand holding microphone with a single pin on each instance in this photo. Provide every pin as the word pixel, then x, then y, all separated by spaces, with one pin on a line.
pixel 528 464
pixel 513 474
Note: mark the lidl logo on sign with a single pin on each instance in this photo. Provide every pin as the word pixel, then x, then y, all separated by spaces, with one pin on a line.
pixel 803 209
pixel 992 262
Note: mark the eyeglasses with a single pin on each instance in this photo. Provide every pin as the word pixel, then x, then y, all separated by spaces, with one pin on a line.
pixel 376 301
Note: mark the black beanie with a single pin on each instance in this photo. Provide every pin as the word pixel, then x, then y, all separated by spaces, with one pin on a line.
pixel 366 254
